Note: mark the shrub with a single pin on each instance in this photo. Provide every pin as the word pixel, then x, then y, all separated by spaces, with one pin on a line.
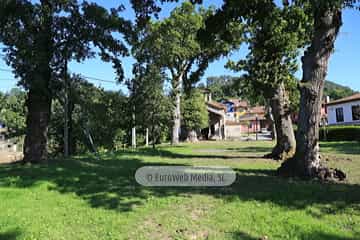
pixel 340 133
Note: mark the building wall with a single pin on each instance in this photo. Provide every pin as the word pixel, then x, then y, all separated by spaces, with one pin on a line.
pixel 251 126
pixel 347 113
pixel 231 116
pixel 233 131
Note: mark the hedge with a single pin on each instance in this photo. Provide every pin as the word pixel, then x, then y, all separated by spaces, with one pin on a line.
pixel 340 133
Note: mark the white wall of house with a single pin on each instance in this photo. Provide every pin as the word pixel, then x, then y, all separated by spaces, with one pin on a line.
pixel 233 131
pixel 231 116
pixel 347 110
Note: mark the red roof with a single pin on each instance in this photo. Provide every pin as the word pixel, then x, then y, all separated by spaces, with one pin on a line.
pixel 216 105
pixel 238 102
pixel 354 97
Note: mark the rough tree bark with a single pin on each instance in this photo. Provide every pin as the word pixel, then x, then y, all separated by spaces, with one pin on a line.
pixel 306 162
pixel 285 141
pixel 37 121
pixel 176 85
pixel 39 96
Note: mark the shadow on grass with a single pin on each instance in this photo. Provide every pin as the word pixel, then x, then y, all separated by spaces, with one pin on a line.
pixel 149 152
pixel 312 235
pixel 10 235
pixel 326 236
pixel 242 236
pixel 342 147
pixel 111 184
pixel 251 149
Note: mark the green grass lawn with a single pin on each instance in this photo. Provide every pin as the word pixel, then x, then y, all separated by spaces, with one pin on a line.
pixel 86 198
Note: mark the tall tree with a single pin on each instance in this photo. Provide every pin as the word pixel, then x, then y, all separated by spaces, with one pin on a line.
pixel 274 35
pixel 325 17
pixel 271 64
pixel 327 20
pixel 40 38
pixel 174 43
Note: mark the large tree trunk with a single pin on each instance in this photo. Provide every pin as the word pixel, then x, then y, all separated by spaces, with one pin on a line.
pixel 39 96
pixel 285 141
pixel 37 121
pixel 306 162
pixel 176 84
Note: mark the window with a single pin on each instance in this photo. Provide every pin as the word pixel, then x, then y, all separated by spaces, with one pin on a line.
pixel 355 112
pixel 339 114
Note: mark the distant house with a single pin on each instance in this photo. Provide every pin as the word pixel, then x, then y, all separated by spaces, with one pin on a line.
pixel 235 108
pixel 344 111
pixel 254 120
pixel 233 118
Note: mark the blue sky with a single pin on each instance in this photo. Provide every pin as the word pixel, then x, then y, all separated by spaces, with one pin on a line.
pixel 343 69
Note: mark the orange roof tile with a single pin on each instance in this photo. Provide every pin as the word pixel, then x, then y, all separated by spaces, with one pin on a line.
pixel 238 102
pixel 216 105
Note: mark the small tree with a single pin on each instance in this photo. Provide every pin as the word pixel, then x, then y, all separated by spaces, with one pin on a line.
pixel 148 99
pixel 98 111
pixel 176 48
pixel 195 114
pixel 13 112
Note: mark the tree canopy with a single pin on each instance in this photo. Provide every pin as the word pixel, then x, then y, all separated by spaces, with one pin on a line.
pixel 40 37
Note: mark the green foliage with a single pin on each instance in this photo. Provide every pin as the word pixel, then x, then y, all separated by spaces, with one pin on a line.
pixel 340 133
pixel 105 116
pixel 120 139
pixel 193 108
pixel 174 45
pixel 223 87
pixel 174 37
pixel 12 111
pixel 58 31
pixel 275 37
pixel 102 113
pixel 40 37
pixel 145 9
pixel 149 102
pixel 336 91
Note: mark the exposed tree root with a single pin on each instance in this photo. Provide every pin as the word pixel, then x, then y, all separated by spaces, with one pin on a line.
pixel 289 168
pixel 280 154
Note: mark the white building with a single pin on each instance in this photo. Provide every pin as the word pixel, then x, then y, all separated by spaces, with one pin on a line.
pixel 344 110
